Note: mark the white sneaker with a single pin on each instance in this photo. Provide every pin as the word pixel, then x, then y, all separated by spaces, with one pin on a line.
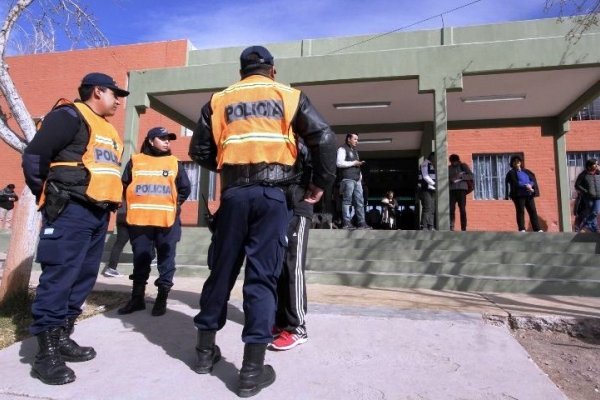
pixel 111 272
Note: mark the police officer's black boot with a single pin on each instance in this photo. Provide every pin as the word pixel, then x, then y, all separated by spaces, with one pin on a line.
pixel 254 374
pixel 69 349
pixel 49 366
pixel 207 352
pixel 160 305
pixel 136 303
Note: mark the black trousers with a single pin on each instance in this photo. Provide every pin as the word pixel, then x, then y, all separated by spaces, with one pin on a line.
pixel 251 222
pixel 458 197
pixel 119 245
pixel 291 287
pixel 145 240
pixel 522 204
pixel 427 209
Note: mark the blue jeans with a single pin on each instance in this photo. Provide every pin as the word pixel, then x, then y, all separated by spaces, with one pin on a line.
pixel 352 195
pixel 591 221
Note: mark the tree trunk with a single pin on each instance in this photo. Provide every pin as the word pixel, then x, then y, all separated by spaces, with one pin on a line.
pixel 22 246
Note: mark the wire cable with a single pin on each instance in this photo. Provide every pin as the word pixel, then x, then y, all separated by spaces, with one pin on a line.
pixel 440 15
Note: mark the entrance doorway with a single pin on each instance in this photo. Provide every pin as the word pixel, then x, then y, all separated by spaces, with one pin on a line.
pixel 397 174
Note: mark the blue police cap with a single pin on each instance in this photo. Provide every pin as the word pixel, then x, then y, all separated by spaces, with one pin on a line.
pixel 254 56
pixel 159 131
pixel 100 79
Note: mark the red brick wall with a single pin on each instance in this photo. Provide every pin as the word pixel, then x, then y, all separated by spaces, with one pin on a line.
pixel 43 78
pixel 538 150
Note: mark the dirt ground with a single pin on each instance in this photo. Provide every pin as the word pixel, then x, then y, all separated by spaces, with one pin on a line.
pixel 573 363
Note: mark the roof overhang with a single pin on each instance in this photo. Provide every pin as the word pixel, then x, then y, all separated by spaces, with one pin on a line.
pixel 484 74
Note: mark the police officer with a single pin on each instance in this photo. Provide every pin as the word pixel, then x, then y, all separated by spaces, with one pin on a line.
pixel 248 132
pixel 156 185
pixel 72 165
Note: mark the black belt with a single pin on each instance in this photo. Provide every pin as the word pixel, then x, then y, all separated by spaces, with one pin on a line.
pixel 263 174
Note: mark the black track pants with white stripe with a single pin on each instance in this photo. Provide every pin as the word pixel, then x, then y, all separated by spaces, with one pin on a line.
pixel 291 287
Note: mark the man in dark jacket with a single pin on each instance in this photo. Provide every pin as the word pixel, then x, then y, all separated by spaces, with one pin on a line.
pixel 522 188
pixel 7 203
pixel 248 133
pixel 587 185
pixel 460 175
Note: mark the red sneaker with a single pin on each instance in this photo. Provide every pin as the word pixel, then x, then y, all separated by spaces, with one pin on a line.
pixel 288 340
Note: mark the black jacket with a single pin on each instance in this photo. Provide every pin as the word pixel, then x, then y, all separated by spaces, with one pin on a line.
pixel 307 123
pixel 512 184
pixel 60 130
pixel 588 185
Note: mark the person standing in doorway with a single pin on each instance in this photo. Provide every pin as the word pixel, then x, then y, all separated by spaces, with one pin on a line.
pixel 459 175
pixel 348 164
pixel 426 182
pixel 8 197
pixel 156 185
pixel 522 188
pixel 247 132
pixel 587 185
pixel 72 166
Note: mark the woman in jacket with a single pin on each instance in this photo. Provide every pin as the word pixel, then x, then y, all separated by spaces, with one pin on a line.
pixel 587 185
pixel 522 188
pixel 155 185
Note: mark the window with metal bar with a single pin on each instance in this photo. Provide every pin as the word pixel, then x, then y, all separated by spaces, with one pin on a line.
pixel 489 172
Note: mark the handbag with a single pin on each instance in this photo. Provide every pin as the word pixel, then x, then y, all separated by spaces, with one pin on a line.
pixel 470 186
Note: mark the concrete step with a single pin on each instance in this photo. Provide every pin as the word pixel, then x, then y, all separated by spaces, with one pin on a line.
pixel 568 287
pixel 497 257
pixel 454 245
pixel 517 271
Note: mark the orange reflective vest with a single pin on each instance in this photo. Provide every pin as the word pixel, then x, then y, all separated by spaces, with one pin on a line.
pixel 152 194
pixel 102 157
pixel 251 122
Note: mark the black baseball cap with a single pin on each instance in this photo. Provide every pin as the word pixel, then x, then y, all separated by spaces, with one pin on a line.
pixel 159 131
pixel 255 56
pixel 100 79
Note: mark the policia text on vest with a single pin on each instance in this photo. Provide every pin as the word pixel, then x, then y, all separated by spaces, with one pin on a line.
pixel 264 108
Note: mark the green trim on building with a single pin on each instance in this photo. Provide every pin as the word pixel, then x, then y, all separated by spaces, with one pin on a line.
pixel 440 59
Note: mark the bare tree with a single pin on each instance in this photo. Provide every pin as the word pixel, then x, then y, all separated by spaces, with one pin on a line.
pixel 37 23
pixel 584 13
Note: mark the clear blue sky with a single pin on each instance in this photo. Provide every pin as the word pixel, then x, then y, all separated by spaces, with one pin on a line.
pixel 220 23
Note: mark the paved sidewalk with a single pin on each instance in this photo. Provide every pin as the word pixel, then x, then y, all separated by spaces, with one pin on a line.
pixel 363 344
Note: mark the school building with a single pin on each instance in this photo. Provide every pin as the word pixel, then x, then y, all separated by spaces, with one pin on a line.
pixel 483 92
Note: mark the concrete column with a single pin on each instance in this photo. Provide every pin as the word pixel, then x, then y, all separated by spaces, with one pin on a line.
pixel 132 127
pixel 440 128
pixel 136 104
pixel 562 177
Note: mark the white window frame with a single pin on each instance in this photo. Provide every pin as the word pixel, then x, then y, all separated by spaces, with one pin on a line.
pixel 489 174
